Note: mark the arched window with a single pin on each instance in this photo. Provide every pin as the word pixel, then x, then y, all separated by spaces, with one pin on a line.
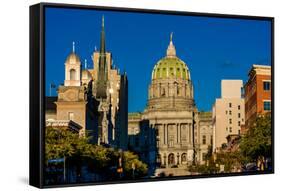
pixel 72 74
pixel 171 159
pixel 163 93
pixel 183 158
pixel 158 160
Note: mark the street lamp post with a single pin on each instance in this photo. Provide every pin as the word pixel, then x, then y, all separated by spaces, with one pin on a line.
pixel 64 169
pixel 119 168
pixel 133 170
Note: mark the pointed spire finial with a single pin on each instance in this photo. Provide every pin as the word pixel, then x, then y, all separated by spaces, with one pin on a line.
pixel 102 20
pixel 171 50
pixel 73 47
pixel 85 63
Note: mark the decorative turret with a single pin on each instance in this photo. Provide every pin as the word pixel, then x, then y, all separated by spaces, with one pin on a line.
pixel 72 69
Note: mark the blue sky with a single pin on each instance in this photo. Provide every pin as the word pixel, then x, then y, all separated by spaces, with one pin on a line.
pixel 212 48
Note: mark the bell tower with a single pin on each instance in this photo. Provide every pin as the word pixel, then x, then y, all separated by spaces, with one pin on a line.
pixel 72 69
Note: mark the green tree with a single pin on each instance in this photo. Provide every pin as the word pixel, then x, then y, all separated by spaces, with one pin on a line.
pixel 256 143
pixel 62 143
pixel 130 159
pixel 230 160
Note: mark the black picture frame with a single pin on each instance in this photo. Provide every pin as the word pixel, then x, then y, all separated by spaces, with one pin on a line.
pixel 37 89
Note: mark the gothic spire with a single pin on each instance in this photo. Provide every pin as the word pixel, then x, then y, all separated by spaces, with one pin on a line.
pixel 102 39
pixel 102 71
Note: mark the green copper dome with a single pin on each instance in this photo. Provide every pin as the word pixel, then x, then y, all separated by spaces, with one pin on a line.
pixel 170 66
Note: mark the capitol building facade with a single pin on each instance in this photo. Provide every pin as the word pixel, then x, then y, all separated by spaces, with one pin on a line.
pixel 170 134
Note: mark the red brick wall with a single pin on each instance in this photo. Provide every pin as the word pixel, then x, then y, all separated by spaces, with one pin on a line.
pixel 262 94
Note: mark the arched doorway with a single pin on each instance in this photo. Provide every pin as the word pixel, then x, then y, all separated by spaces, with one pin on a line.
pixel 171 159
pixel 72 74
pixel 184 158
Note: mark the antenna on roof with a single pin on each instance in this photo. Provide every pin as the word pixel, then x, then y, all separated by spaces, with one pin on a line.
pixel 85 63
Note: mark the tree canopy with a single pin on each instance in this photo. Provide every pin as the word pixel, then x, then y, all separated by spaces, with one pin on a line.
pixel 61 143
pixel 257 141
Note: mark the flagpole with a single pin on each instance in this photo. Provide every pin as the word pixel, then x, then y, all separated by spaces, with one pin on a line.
pixel 50 89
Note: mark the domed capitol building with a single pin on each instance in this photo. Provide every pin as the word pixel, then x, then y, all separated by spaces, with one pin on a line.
pixel 170 133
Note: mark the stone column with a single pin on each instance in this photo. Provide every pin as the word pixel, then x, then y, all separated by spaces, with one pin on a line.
pixel 189 133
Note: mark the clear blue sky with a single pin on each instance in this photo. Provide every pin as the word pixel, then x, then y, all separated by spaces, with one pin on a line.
pixel 212 48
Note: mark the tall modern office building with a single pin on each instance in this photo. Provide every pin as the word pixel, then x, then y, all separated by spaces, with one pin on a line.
pixel 228 112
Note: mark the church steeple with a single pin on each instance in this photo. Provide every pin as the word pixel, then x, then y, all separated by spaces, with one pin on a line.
pixel 102 72
pixel 102 39
pixel 171 50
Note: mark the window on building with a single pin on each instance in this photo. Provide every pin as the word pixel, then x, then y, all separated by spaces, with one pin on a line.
pixel 239 107
pixel 211 140
pixel 238 132
pixel 163 92
pixel 230 121
pixel 230 112
pixel 70 115
pixel 266 85
pixel 230 129
pixel 204 140
pixel 239 123
pixel 157 143
pixel 171 143
pixel 226 112
pixel 72 74
pixel 230 104
pixel 239 115
pixel 204 156
pixel 267 105
pixel 226 128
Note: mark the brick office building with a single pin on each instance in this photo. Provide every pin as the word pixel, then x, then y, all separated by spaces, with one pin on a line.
pixel 257 93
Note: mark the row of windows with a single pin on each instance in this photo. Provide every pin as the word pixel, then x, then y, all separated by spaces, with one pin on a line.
pixel 204 140
pixel 230 129
pixel 230 113
pixel 171 69
pixel 230 122
pixel 230 106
